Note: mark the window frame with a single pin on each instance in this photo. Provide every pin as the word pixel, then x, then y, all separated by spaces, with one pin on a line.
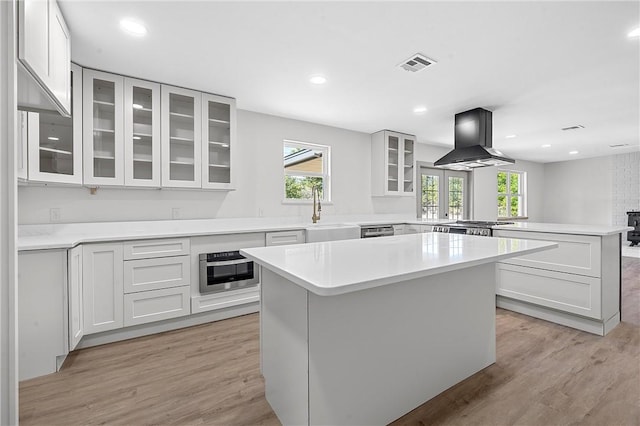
pixel 522 176
pixel 325 175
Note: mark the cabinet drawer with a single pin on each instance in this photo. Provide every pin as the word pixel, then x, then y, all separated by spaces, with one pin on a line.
pixel 215 301
pixel 284 237
pixel 156 305
pixel 565 292
pixel 154 274
pixel 156 248
pixel 575 254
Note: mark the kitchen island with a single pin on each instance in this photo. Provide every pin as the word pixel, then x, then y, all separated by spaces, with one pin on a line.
pixel 363 331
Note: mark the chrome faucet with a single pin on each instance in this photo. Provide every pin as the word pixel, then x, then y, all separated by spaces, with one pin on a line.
pixel 317 207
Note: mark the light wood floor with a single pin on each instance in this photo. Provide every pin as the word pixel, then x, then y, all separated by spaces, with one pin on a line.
pixel 545 374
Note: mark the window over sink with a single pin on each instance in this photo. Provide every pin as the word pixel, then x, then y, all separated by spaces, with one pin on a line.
pixel 511 194
pixel 306 165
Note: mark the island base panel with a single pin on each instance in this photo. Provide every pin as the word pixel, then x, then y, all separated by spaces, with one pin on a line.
pixel 370 356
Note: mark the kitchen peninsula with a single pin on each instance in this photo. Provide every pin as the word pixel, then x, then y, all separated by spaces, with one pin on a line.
pixel 363 331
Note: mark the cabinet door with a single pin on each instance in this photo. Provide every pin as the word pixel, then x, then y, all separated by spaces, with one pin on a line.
pixel 59 57
pixel 103 128
pixel 76 320
pixel 33 37
pixel 407 171
pixel 218 141
pixel 181 138
pixel 55 142
pixel 21 155
pixel 102 287
pixel 393 147
pixel 141 133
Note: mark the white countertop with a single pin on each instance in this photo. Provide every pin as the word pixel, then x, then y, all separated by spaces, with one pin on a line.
pixel 564 228
pixel 337 267
pixel 64 236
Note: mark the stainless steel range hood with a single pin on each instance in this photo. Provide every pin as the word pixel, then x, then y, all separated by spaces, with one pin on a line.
pixel 472 143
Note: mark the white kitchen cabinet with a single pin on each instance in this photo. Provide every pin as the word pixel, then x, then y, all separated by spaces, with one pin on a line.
pixel 147 249
pixel 103 142
pixel 181 137
pixel 156 273
pixel 55 142
pixel 22 165
pixel 141 133
pixel 156 305
pixel 42 312
pixel 576 284
pixel 392 164
pixel 281 238
pixel 102 287
pixel 44 54
pixel 76 319
pixel 218 141
pixel 416 229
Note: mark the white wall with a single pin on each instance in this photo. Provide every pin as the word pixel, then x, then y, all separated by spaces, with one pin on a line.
pixel 485 190
pixel 579 191
pixel 258 177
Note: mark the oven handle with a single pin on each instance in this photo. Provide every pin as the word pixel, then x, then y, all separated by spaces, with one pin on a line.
pixel 227 262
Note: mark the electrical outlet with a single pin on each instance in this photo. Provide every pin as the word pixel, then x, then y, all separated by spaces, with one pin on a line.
pixel 54 215
pixel 175 213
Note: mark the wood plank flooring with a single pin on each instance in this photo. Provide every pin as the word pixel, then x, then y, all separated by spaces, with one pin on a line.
pixel 209 375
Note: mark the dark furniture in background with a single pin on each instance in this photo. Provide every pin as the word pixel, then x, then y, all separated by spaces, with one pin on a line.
pixel 634 220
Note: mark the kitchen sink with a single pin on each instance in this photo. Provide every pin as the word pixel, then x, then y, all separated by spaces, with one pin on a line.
pixel 331 232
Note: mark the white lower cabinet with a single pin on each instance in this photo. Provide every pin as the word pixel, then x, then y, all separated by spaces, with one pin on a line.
pixel 156 305
pixel 102 286
pixel 281 238
pixel 155 274
pixel 76 320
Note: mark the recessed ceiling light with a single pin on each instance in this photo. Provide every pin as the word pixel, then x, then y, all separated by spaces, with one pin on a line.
pixel 634 33
pixel 510 136
pixel 420 109
pixel 318 79
pixel 53 138
pixel 573 152
pixel 133 27
pixel 137 106
pixel 546 145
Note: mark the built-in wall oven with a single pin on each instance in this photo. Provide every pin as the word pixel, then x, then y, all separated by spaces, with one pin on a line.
pixel 227 270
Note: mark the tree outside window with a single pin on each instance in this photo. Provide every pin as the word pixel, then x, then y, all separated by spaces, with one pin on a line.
pixel 306 166
pixel 511 194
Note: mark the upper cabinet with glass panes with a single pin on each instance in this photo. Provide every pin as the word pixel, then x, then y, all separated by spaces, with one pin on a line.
pixel 392 164
pixel 54 142
pixel 218 141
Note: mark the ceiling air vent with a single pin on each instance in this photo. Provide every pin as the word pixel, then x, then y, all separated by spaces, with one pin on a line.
pixel 620 145
pixel 416 63
pixel 579 126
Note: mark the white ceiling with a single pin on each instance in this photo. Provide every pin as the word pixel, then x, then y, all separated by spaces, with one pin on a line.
pixel 539 66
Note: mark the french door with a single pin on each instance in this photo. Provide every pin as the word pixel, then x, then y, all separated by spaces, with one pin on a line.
pixel 444 194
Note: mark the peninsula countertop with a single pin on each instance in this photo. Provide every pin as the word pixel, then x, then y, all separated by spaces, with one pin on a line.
pixel 563 228
pixel 338 267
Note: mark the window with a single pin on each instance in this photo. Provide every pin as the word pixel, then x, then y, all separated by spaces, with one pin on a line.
pixel 430 196
pixel 511 194
pixel 306 166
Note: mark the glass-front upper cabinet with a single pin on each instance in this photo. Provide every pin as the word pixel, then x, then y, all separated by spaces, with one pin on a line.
pixel 141 133
pixel 392 164
pixel 181 137
pixel 55 142
pixel 218 141
pixel 103 128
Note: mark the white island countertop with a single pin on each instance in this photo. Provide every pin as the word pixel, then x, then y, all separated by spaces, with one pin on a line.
pixel 564 228
pixel 338 267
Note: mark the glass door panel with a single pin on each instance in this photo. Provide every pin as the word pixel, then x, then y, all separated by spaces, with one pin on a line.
pixel 103 131
pixel 142 133
pixel 393 145
pixel 408 164
pixel 55 144
pixel 218 122
pixel 181 138
pixel 443 194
